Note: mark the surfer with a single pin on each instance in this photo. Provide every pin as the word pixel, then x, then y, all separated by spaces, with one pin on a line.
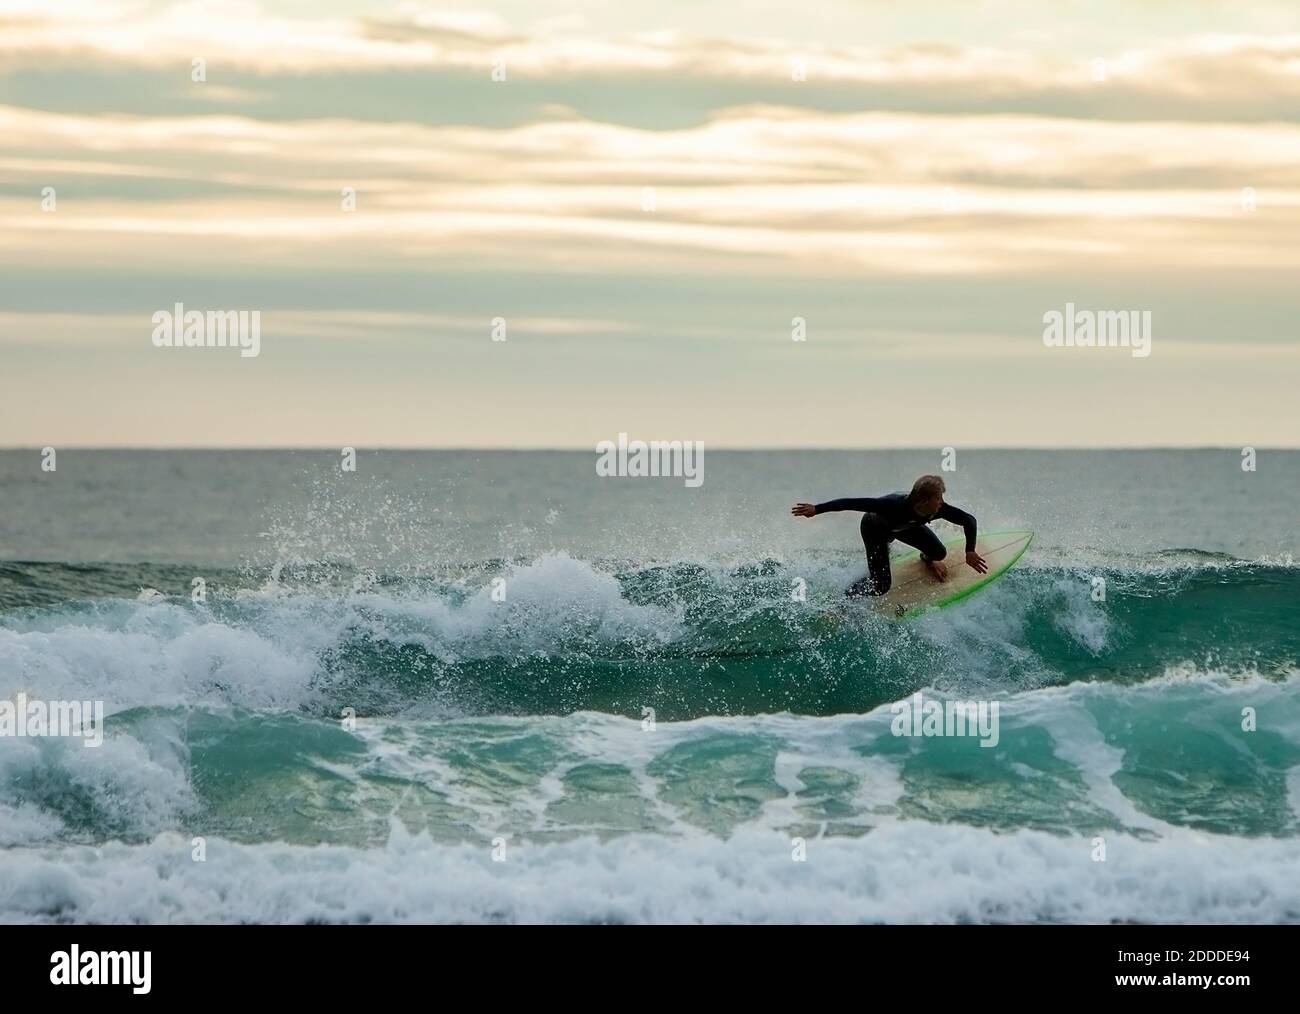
pixel 904 517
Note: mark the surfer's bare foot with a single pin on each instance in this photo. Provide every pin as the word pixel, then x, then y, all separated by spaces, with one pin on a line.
pixel 938 568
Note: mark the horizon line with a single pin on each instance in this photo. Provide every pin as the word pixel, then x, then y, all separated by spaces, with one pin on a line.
pixel 592 449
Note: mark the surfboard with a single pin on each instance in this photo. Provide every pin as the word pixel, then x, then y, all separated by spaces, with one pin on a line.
pixel 915 590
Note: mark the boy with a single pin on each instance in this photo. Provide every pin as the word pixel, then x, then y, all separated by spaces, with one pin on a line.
pixel 904 518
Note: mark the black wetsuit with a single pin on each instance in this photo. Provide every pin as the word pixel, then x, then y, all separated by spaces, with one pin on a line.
pixel 891 517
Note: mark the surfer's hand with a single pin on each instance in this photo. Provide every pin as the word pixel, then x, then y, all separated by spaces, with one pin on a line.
pixel 975 561
pixel 803 510
pixel 938 568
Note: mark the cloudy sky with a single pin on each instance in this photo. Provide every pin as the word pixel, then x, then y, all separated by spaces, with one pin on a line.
pixel 649 198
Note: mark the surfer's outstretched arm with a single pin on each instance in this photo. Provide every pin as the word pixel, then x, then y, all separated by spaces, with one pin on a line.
pixel 850 503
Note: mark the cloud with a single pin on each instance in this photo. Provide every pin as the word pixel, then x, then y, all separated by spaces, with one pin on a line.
pixel 799 190
pixel 1198 76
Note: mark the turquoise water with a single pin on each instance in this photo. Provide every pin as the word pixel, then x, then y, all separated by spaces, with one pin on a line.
pixel 649 725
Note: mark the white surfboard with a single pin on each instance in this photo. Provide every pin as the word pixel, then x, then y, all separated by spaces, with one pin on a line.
pixel 915 590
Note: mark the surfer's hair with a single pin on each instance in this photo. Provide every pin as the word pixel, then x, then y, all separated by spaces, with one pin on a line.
pixel 925 488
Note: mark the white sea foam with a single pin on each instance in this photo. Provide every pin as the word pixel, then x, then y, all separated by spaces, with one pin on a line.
pixel 193 660
pixel 25 823
pixel 904 872
pixel 543 607
pixel 139 785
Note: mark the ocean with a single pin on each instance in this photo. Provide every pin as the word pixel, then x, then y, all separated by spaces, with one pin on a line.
pixel 491 686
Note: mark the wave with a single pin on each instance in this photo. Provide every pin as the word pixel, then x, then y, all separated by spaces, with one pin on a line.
pixel 1174 753
pixel 558 635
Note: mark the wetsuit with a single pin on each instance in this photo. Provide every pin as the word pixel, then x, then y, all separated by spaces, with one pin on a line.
pixel 891 517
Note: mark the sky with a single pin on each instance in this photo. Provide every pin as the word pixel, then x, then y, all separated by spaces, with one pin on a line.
pixel 652 201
